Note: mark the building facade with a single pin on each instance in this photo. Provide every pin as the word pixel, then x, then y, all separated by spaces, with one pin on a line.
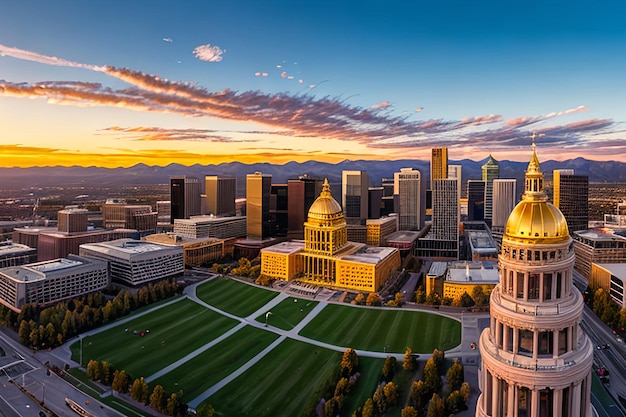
pixel 136 262
pixel 475 200
pixel 184 197
pixel 220 194
pixel 46 283
pixel 597 246
pixel 407 186
pixel 14 254
pixel 208 226
pixel 504 200
pixel 571 196
pixel 258 192
pixel 72 220
pixel 302 193
pixel 536 360
pixel 354 196
pixel 491 171
pixel 117 214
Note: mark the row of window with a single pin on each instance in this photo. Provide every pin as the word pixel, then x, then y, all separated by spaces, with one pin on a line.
pixel 535 344
pixel 536 286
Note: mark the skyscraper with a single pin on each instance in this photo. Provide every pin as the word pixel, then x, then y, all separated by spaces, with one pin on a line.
pixel 455 171
pixel 438 164
pixel 220 195
pixel 407 186
pixel 302 193
pixel 184 197
pixel 536 361
pixel 354 196
pixel 475 200
pixel 491 171
pixel 445 210
pixel 504 200
pixel 258 191
pixel 571 195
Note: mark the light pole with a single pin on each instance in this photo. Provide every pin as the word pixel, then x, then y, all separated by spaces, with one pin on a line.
pixel 267 316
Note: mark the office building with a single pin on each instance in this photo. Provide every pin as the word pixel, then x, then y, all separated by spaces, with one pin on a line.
pixel 220 194
pixel 258 192
pixel 475 200
pixel 455 171
pixel 196 252
pixel 198 227
pixel 407 186
pixel 136 262
pixel 571 195
pixel 46 283
pixel 597 246
pixel 14 254
pixel 72 220
pixel 279 209
pixel 453 279
pixel 536 360
pixel 326 257
pixel 375 198
pixel 445 223
pixel 184 197
pixel 438 165
pixel 354 196
pixel 491 171
pixel 116 214
pixel 302 193
pixel 504 201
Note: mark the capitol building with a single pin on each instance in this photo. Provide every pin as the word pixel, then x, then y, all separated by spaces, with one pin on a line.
pixel 536 360
pixel 326 257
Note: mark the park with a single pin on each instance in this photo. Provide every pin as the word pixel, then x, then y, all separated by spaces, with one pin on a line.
pixel 251 351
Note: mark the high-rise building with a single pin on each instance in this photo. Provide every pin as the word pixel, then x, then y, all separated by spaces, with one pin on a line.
pixel 455 171
pixel 438 164
pixel 279 209
pixel 375 199
pixel 407 186
pixel 220 195
pixel 184 197
pixel 116 214
pixel 536 360
pixel 72 220
pixel 475 200
pixel 354 196
pixel 445 223
pixel 258 192
pixel 491 171
pixel 302 193
pixel 504 200
pixel 571 195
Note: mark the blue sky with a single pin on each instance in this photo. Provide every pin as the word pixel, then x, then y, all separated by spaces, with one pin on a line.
pixel 116 83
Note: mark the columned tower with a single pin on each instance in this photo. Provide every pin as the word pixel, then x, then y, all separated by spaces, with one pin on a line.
pixel 536 361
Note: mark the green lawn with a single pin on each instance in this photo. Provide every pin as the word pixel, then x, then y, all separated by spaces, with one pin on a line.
pixel 174 331
pixel 234 297
pixel 216 363
pixel 384 330
pixel 281 384
pixel 288 313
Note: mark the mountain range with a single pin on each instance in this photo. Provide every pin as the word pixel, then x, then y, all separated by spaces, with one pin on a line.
pixel 141 174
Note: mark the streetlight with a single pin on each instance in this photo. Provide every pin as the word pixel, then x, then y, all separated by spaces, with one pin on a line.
pixel 267 316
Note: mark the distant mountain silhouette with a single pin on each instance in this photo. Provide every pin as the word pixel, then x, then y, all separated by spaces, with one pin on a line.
pixel 20 178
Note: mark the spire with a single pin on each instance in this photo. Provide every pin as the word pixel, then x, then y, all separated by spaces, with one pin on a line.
pixel 325 189
pixel 533 189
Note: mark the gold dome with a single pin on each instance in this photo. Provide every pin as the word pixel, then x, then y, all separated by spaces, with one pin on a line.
pixel 534 219
pixel 325 207
pixel 538 221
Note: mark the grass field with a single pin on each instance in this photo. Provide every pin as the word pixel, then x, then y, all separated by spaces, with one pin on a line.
pixel 281 384
pixel 383 330
pixel 234 297
pixel 216 363
pixel 174 331
pixel 288 313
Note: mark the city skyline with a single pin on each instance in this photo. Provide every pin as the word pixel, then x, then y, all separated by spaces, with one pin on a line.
pixel 248 82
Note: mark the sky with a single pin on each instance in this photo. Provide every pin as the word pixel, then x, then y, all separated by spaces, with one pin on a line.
pixel 117 83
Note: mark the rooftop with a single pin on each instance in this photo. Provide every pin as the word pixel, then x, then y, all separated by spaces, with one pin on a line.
pixel 10 247
pixel 289 247
pixel 477 272
pixel 619 270
pixel 369 254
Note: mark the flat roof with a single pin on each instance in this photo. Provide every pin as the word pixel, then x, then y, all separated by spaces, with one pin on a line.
pixel 403 236
pixel 438 269
pixel 369 254
pixel 38 271
pixel 286 248
pixel 9 247
pixel 55 265
pixel 599 234
pixel 195 220
pixel 127 246
pixel 619 270
pixel 473 272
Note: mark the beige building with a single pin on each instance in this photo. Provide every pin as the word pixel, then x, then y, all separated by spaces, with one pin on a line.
pixel 326 257
pixel 195 251
pixel 536 360
pixel 597 246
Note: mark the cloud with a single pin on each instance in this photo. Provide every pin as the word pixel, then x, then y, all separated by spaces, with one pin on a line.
pixel 142 133
pixel 43 59
pixel 168 40
pixel 380 105
pixel 208 53
pixel 528 120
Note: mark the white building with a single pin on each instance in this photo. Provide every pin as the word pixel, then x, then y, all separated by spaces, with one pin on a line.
pixel 407 185
pixel 210 226
pixel 48 282
pixel 136 262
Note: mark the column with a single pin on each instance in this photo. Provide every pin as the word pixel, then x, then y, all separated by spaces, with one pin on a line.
pixel 576 400
pixel 525 297
pixel 505 337
pixel 510 403
pixel 541 287
pixel 557 399
pixel 515 339
pixel 555 343
pixel 535 345
pixel 495 396
pixel 534 403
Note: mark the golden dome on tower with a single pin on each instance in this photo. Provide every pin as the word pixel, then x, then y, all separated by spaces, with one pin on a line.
pixel 325 207
pixel 534 219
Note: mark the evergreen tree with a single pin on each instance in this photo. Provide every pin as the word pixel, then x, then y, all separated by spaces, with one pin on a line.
pixel 349 362
pixel 408 362
pixel 436 407
pixel 157 398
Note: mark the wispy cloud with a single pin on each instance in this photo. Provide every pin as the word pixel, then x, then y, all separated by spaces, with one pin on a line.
pixel 142 133
pixel 301 115
pixel 208 52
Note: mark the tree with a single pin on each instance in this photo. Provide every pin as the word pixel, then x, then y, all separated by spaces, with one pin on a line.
pixel 342 387
pixel 432 379
pixel 465 390
pixel 479 296
pixel 175 405
pixel 409 411
pixel 454 376
pixel 349 362
pixel 359 299
pixel 436 407
pixel 139 390
pixel 420 295
pixel 120 382
pixel 408 362
pixel 466 300
pixel 331 408
pixel 205 410
pixel 157 398
pixel 391 393
pixel 389 367
pixel 106 373
pixel 380 400
pixel 368 408
pixel 455 402
pixel 24 332
pixel 418 394
pixel 373 299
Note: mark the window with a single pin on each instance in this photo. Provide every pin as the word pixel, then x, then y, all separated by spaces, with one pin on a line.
pixel 520 285
pixel 558 285
pixel 533 286
pixel 525 341
pixel 546 346
pixel 547 286
pixel 563 339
